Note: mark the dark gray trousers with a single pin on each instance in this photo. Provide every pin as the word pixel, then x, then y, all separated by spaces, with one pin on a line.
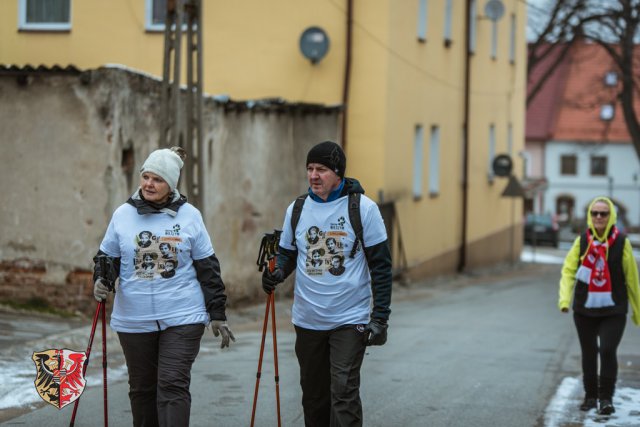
pixel 159 366
pixel 330 364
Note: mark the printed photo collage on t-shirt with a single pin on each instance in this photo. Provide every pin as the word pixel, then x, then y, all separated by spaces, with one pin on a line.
pixel 155 255
pixel 325 251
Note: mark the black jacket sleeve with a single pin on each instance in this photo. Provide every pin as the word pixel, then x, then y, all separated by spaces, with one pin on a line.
pixel 286 260
pixel 379 261
pixel 97 271
pixel 208 273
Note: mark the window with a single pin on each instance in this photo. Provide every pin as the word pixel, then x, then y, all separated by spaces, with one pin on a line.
pixel 510 139
pixel 473 11
pixel 526 164
pixel 417 162
pixel 494 39
pixel 607 111
pixel 422 20
pixel 156 14
pixel 512 40
pixel 598 166
pixel 44 15
pixel 492 151
pixel 611 78
pixel 448 16
pixel 434 161
pixel 568 164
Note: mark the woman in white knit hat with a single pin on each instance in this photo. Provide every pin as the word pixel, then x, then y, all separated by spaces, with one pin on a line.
pixel 160 312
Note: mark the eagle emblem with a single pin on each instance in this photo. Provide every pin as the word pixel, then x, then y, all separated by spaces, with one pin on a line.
pixel 59 375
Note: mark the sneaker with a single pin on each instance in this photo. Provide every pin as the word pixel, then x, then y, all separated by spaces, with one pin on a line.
pixel 589 403
pixel 606 407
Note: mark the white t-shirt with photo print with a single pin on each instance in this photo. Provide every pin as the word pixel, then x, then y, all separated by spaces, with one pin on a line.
pixel 158 284
pixel 331 288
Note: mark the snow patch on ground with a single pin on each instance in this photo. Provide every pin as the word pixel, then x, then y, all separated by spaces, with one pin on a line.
pixel 563 410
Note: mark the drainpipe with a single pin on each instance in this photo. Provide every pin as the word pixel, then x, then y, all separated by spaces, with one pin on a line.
pixel 465 148
pixel 347 73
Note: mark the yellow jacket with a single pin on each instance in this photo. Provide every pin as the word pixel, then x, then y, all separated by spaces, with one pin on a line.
pixel 574 259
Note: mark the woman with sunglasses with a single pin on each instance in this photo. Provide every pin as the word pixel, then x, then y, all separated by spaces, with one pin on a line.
pixel 601 275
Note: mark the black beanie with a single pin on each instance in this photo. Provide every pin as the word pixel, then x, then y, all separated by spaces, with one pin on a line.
pixel 330 154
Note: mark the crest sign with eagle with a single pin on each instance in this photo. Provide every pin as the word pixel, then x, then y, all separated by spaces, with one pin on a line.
pixel 59 377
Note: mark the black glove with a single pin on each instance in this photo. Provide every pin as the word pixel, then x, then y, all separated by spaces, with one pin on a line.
pixel 376 332
pixel 271 278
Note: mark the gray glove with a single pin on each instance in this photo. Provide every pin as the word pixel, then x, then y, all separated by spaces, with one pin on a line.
pixel 100 290
pixel 376 332
pixel 220 327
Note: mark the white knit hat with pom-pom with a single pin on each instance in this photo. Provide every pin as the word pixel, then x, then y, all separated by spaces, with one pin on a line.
pixel 166 163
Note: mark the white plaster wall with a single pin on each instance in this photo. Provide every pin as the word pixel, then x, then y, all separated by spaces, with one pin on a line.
pixel 623 168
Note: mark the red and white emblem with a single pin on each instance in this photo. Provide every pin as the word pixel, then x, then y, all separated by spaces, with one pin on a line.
pixel 59 378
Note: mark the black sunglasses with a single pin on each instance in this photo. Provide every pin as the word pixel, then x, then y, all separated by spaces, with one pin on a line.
pixel 602 214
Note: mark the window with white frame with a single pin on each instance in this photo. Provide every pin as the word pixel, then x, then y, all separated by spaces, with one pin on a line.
pixel 434 161
pixel 512 40
pixel 422 20
pixel 473 11
pixel 494 39
pixel 418 139
pixel 156 12
pixel 492 151
pixel 448 18
pixel 44 15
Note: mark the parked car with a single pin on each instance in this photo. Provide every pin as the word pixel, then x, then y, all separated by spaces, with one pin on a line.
pixel 541 228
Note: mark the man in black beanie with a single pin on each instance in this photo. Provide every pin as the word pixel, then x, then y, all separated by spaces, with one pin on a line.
pixel 332 313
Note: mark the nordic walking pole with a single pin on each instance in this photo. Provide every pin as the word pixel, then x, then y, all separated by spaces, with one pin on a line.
pixel 86 362
pixel 107 269
pixel 272 266
pixel 259 373
pixel 262 254
pixel 104 364
pixel 267 257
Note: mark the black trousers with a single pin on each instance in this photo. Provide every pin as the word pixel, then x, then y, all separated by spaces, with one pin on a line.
pixel 159 366
pixel 330 364
pixel 600 336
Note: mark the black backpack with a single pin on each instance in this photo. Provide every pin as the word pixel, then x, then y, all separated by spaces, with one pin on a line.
pixel 354 218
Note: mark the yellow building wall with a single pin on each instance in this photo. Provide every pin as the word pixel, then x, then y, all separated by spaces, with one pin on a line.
pixel 425 86
pixel 251 51
pixel 251 48
pixel 497 97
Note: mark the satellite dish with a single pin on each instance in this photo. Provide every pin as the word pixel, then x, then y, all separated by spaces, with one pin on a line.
pixel 314 44
pixel 494 9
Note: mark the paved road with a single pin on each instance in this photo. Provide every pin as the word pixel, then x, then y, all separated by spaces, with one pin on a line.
pixel 483 350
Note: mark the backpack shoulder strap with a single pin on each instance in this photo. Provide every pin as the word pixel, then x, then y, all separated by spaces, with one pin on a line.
pixel 295 215
pixel 356 222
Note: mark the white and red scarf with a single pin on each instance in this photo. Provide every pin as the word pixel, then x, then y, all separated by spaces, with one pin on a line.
pixel 595 271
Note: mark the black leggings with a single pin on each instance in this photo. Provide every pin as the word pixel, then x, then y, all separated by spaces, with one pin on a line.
pixel 607 332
